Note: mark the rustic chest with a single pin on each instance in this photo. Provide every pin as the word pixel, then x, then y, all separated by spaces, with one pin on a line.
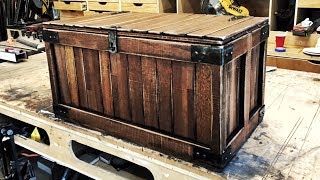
pixel 186 85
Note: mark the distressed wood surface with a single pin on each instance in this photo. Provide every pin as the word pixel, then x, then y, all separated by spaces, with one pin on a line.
pixel 178 24
pixel 292 101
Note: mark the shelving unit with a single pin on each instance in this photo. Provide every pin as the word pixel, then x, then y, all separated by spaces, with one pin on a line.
pixel 307 9
pixel 303 9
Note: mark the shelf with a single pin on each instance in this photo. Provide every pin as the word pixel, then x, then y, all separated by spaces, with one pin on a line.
pixel 308 4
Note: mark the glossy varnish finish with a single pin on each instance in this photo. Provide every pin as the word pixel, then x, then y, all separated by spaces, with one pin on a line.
pixel 151 92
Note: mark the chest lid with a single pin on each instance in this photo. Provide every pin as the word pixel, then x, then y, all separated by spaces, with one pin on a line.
pixel 207 29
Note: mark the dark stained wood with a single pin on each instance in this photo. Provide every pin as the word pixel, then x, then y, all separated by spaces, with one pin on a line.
pixel 164 69
pixel 51 56
pixel 83 40
pixel 149 79
pixel 234 96
pixel 204 103
pixel 120 89
pixel 183 99
pixel 254 77
pixel 72 76
pixel 150 92
pixel 135 89
pixel 62 74
pixel 78 57
pixel 155 48
pixel 218 124
pixel 105 74
pixel 138 135
pixel 93 81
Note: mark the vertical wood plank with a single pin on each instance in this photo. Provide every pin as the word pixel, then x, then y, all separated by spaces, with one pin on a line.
pixel 78 57
pixel 254 77
pixel 262 71
pixel 226 83
pixel 183 99
pixel 92 76
pixel 120 89
pixel 72 76
pixel 53 72
pixel 62 74
pixel 164 69
pixel 105 73
pixel 234 96
pixel 149 78
pixel 204 103
pixel 135 89
pixel 218 137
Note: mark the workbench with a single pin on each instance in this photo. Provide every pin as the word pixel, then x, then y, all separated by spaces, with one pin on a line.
pixel 285 144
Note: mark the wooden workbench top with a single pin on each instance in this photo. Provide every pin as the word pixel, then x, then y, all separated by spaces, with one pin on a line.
pixel 285 145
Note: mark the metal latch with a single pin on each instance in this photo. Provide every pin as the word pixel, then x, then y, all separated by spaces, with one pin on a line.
pixel 113 43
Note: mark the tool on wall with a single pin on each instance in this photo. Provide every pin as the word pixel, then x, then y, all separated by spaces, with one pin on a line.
pixel 223 7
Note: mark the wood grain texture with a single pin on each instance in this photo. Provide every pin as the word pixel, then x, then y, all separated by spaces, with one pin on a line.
pixel 105 74
pixel 78 57
pixel 288 63
pixel 254 77
pixel 65 96
pixel 92 77
pixel 150 8
pixel 120 89
pixel 136 89
pixel 218 99
pixel 183 99
pixel 204 103
pixel 164 69
pixel 72 75
pixel 103 6
pixel 83 40
pixel 149 79
pixel 234 96
pixel 73 6
pixel 51 56
pixel 155 48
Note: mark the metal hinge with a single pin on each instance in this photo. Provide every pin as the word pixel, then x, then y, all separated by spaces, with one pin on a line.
pixel 113 41
pixel 264 33
pixel 218 55
pixel 50 36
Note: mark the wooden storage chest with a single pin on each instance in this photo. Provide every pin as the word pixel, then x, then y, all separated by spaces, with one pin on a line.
pixel 186 85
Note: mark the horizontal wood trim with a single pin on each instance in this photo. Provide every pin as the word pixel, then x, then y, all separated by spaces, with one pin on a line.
pixel 293 64
pixel 308 4
pixel 133 133
pixel 103 6
pixel 75 6
pixel 83 40
pixel 155 48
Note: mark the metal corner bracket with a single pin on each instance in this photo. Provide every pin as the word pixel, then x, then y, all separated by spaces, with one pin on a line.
pixel 218 161
pixel 218 55
pixel 264 33
pixel 50 36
